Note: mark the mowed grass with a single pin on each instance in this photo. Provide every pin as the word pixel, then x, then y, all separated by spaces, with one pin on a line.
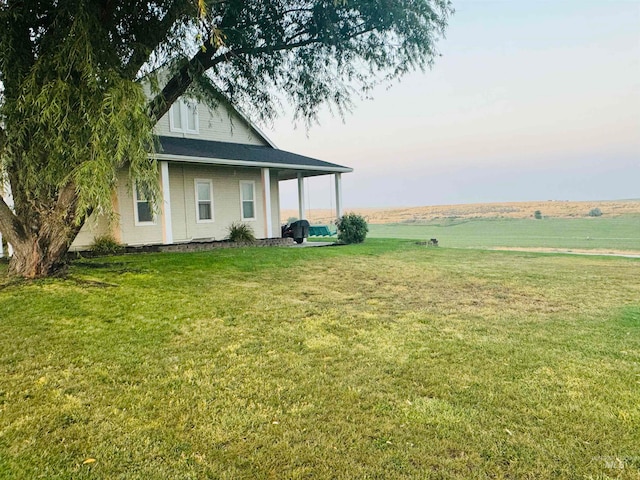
pixel 383 360
pixel 602 233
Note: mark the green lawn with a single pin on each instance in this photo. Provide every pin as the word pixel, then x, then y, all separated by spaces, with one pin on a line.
pixel 616 233
pixel 384 360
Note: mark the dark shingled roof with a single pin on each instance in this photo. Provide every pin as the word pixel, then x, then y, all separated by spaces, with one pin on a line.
pixel 208 149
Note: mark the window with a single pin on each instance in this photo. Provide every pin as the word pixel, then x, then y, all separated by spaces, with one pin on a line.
pixel 176 117
pixel 143 207
pixel 247 200
pixel 183 117
pixel 204 201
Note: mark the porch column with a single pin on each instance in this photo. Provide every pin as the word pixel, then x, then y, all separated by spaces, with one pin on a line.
pixel 302 208
pixel 266 188
pixel 167 228
pixel 338 195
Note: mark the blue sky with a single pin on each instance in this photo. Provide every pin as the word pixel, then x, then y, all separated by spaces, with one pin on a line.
pixel 531 100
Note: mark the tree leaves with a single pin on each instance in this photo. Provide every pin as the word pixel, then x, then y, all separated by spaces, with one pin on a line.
pixel 310 53
pixel 75 120
pixel 73 111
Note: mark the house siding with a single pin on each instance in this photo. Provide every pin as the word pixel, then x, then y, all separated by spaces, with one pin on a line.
pixel 132 234
pixel 217 125
pixel 94 227
pixel 226 201
pixel 97 226
pixel 185 227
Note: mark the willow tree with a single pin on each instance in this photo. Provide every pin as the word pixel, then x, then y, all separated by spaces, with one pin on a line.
pixel 74 108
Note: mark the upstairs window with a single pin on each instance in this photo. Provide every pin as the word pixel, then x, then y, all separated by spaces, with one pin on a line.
pixel 183 117
pixel 247 200
pixel 143 208
pixel 204 201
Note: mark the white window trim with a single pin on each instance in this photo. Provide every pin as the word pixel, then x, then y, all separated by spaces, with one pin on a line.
pixel 255 204
pixel 137 222
pixel 184 111
pixel 195 187
pixel 172 125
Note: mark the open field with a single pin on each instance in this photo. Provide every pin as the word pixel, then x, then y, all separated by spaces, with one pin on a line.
pixel 603 234
pixel 564 226
pixel 519 210
pixel 382 360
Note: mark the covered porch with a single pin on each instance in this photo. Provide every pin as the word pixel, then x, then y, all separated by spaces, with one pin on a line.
pixel 260 168
pixel 275 166
pixel 304 194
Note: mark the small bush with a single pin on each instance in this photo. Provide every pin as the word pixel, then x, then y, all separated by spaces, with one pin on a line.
pixel 352 228
pixel 241 232
pixel 106 245
pixel 537 215
pixel 595 212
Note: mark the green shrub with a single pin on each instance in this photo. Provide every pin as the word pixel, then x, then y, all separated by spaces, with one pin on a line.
pixel 595 212
pixel 352 228
pixel 537 215
pixel 106 245
pixel 241 232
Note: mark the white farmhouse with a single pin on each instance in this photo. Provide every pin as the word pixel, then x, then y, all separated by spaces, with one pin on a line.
pixel 216 168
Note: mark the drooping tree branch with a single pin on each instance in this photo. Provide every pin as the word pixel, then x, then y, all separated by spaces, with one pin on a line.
pixel 205 59
pixel 148 36
pixel 322 46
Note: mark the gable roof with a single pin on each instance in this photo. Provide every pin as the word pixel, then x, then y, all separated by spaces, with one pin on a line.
pixel 257 130
pixel 210 152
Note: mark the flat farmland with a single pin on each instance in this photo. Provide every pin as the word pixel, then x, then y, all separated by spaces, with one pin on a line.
pixel 564 225
pixel 613 235
pixel 548 209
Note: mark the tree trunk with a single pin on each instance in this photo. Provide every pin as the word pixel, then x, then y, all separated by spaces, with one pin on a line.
pixel 40 244
pixel 42 254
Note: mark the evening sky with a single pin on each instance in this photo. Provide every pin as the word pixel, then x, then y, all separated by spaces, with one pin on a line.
pixel 530 100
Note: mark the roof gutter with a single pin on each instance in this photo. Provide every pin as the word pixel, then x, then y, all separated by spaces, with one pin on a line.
pixel 246 163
